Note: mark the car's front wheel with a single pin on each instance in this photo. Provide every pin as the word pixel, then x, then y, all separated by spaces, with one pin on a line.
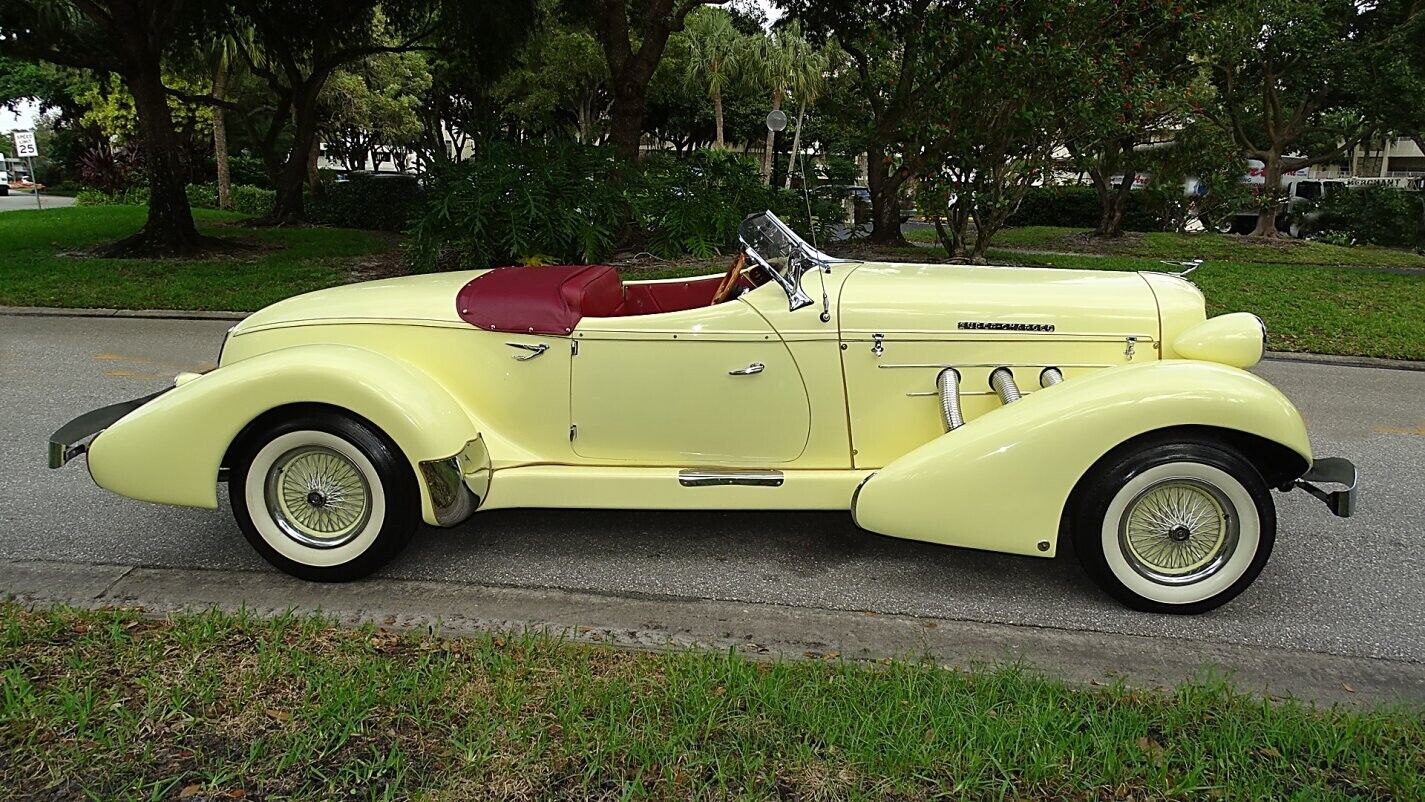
pixel 1174 527
pixel 324 497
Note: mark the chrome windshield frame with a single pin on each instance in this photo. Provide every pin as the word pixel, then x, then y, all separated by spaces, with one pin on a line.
pixel 791 280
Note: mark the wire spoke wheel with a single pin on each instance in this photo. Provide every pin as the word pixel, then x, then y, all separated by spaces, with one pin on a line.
pixel 317 496
pixel 1178 531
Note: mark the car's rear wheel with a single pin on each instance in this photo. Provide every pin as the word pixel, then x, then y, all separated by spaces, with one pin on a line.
pixel 324 497
pixel 1174 527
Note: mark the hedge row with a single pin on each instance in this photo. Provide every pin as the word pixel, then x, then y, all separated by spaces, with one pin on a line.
pixel 380 202
pixel 1078 207
pixel 248 200
pixel 1375 215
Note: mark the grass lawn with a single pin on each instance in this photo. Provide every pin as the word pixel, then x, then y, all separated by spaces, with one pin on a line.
pixel 107 705
pixel 1208 246
pixel 35 270
pixel 1323 310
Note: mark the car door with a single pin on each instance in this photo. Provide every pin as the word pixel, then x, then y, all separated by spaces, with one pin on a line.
pixel 713 386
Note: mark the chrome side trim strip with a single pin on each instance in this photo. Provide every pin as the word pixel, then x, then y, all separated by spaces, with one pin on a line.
pixel 1041 365
pixel 752 478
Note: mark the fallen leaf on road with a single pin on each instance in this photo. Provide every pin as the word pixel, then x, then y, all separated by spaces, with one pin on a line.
pixel 1348 687
pixel 190 791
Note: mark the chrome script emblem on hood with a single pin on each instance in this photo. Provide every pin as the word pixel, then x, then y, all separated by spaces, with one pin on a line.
pixel 979 325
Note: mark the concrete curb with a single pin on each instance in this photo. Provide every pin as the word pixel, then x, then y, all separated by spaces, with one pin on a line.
pixel 158 314
pixel 762 631
pixel 1347 361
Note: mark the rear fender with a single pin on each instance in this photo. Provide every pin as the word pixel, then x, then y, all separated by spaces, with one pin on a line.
pixel 1001 481
pixel 170 449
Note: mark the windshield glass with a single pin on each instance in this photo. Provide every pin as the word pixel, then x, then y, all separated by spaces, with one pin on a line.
pixel 768 242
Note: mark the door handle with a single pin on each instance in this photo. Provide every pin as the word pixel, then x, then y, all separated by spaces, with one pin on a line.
pixel 535 350
pixel 755 367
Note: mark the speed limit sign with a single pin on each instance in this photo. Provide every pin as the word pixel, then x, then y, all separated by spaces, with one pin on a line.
pixel 25 145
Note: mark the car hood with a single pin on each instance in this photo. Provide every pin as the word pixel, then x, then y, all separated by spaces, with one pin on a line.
pixel 417 299
pixel 938 299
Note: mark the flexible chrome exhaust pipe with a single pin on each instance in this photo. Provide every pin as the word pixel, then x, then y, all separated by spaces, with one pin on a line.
pixel 1050 377
pixel 948 383
pixel 1002 380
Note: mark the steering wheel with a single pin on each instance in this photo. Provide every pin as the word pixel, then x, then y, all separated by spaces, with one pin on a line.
pixel 729 281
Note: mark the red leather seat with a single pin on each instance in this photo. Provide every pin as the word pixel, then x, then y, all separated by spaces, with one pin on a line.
pixel 540 300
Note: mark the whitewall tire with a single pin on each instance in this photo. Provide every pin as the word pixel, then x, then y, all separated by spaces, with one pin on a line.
pixel 1174 527
pixel 324 497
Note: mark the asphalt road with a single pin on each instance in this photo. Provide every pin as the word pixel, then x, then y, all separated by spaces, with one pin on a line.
pixel 24 200
pixel 1354 587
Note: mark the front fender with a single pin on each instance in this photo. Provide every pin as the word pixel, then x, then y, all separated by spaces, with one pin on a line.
pixel 1001 481
pixel 169 450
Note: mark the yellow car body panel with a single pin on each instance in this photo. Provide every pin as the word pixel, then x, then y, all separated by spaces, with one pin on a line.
pixel 170 449
pixel 1001 481
pixel 903 324
pixel 610 414
pixel 713 385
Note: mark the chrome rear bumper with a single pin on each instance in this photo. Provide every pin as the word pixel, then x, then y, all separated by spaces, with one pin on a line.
pixel 72 439
pixel 1332 470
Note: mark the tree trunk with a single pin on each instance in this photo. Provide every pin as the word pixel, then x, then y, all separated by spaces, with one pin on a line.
pixel 718 141
pixel 220 138
pixel 769 154
pixel 169 229
pixel 1271 197
pixel 984 233
pixel 1114 203
pixel 795 158
pixel 586 119
pixel 885 197
pixel 290 206
pixel 314 176
pixel 626 122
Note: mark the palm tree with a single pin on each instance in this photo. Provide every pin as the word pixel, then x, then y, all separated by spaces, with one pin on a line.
pixel 807 82
pixel 785 61
pixel 714 47
pixel 220 54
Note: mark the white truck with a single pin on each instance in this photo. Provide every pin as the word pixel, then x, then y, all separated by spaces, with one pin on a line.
pixel 1300 190
pixel 4 176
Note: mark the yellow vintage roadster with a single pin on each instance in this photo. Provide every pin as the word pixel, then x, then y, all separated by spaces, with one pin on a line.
pixel 985 407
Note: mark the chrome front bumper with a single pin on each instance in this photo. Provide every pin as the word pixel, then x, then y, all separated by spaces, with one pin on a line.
pixel 72 439
pixel 1332 470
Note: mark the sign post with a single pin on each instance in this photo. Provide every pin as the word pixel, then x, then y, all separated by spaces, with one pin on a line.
pixel 25 148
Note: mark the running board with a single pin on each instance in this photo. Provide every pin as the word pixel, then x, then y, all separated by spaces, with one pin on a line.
pixel 755 478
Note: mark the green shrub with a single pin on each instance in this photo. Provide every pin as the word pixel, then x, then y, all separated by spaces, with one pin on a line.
pixel 573 203
pixel 694 206
pixel 521 203
pixel 134 196
pixel 247 170
pixel 1375 215
pixel 380 202
pixel 253 201
pixel 1078 207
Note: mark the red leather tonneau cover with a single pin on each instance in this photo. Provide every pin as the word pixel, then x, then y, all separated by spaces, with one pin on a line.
pixel 540 300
